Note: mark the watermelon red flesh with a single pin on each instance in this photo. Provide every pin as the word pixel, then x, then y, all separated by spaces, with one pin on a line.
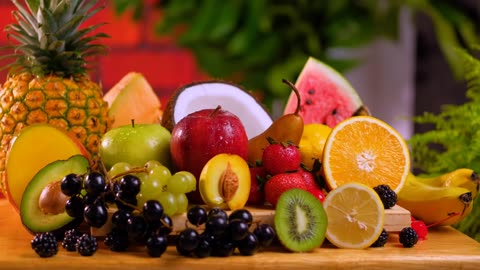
pixel 326 96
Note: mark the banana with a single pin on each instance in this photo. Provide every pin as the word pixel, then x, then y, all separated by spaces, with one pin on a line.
pixel 442 200
pixel 463 177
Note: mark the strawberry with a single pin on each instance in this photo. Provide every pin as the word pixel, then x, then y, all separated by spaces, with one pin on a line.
pixel 281 157
pixel 280 183
pixel 312 185
pixel 258 176
pixel 318 193
pixel 309 179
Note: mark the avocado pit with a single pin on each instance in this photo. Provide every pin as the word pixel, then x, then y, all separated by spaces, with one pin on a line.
pixel 52 200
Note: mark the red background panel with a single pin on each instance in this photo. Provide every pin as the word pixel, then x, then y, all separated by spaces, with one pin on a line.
pixel 133 46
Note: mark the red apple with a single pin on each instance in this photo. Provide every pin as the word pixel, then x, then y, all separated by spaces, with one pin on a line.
pixel 201 135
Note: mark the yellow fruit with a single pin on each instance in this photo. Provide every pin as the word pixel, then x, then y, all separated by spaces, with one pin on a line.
pixel 34 147
pixel 435 204
pixel 225 182
pixel 355 216
pixel 48 81
pixel 312 143
pixel 367 150
pixel 462 177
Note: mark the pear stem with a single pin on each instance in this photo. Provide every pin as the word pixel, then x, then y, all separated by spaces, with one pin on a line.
pixel 297 93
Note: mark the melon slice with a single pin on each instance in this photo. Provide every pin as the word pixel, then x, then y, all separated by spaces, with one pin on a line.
pixel 209 95
pixel 132 98
pixel 326 96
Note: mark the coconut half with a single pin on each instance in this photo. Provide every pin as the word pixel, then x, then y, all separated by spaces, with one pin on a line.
pixel 210 94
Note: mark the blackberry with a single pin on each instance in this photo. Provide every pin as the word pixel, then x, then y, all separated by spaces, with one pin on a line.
pixel 382 239
pixel 408 237
pixel 45 244
pixel 117 240
pixel 387 195
pixel 87 245
pixel 70 240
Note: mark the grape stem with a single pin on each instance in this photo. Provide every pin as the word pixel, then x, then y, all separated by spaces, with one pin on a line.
pixel 133 170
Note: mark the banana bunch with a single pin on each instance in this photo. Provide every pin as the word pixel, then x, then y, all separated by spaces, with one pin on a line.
pixel 441 200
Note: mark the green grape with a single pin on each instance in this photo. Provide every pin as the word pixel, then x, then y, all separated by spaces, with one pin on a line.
pixel 179 183
pixel 182 203
pixel 150 188
pixel 160 172
pixel 152 164
pixel 169 203
pixel 142 176
pixel 192 181
pixel 141 199
pixel 119 168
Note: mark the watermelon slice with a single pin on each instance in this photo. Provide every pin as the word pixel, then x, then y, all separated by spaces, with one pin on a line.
pixel 326 96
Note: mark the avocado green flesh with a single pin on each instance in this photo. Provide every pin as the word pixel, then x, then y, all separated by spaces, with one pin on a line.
pixel 32 217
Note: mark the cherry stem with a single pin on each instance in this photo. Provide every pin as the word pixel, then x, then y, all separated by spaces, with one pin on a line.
pixel 443 220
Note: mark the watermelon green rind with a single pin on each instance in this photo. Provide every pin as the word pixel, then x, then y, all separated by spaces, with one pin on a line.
pixel 326 96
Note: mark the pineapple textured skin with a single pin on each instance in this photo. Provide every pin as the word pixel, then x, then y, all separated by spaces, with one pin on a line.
pixel 71 104
pixel 48 80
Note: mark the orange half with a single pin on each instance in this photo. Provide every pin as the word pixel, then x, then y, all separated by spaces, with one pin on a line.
pixel 366 150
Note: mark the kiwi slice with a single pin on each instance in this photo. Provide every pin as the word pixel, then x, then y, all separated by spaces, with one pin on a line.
pixel 300 220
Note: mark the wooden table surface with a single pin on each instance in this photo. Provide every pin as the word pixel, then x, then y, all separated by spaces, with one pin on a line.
pixel 445 248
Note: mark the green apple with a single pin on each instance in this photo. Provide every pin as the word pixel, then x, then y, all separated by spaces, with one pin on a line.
pixel 136 144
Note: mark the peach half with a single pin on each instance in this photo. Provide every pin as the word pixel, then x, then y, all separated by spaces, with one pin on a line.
pixel 32 149
pixel 225 182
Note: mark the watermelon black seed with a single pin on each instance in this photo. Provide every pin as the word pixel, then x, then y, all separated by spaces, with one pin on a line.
pixel 311 91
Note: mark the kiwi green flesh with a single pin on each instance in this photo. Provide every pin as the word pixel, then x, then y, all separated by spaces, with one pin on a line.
pixel 32 217
pixel 300 220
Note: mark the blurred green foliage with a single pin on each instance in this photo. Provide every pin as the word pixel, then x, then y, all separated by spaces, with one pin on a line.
pixel 454 142
pixel 257 43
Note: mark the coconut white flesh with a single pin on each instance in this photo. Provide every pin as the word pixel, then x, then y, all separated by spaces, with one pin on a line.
pixel 209 95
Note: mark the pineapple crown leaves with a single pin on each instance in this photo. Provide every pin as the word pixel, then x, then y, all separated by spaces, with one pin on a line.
pixel 49 39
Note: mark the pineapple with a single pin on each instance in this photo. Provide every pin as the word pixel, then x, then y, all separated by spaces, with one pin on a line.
pixel 48 80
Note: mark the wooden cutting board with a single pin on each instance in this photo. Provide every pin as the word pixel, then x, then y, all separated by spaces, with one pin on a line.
pixel 444 249
pixel 396 219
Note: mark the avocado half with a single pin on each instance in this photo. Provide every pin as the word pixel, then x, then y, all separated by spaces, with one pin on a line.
pixel 33 218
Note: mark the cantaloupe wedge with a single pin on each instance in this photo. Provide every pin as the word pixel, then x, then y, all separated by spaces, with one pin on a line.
pixel 132 98
pixel 32 149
